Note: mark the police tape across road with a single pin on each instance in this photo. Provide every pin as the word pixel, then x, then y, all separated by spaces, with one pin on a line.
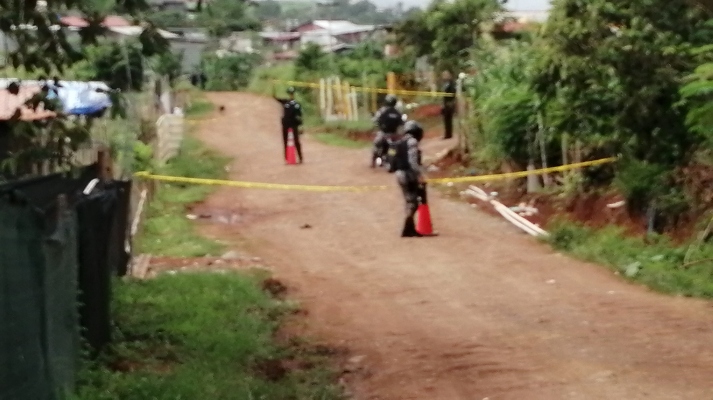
pixel 368 89
pixel 326 188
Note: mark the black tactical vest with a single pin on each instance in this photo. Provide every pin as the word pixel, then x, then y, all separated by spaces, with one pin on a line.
pixel 390 120
pixel 399 160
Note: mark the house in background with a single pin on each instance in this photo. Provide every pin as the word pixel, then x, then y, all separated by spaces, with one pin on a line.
pixel 187 5
pixel 331 36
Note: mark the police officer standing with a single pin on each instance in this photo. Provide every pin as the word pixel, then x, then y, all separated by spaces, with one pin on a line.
pixel 291 118
pixel 449 104
pixel 407 166
pixel 388 120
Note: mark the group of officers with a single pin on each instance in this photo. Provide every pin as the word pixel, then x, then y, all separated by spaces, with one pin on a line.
pixel 396 145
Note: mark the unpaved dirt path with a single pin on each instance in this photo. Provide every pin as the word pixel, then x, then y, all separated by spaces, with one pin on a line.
pixel 469 315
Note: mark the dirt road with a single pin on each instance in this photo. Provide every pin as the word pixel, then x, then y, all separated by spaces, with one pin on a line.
pixel 482 311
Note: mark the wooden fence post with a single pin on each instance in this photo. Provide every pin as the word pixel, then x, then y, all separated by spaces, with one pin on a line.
pixel 105 165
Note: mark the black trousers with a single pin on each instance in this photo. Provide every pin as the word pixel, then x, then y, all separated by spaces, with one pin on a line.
pixel 296 135
pixel 448 112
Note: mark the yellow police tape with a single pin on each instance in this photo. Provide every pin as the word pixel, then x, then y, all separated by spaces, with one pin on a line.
pixel 369 90
pixel 324 188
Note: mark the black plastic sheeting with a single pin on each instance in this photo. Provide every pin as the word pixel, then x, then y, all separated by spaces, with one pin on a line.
pixel 47 263
pixel 102 219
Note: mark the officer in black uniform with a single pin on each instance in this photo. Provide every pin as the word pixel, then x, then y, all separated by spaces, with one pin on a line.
pixel 449 104
pixel 388 120
pixel 291 118
pixel 407 166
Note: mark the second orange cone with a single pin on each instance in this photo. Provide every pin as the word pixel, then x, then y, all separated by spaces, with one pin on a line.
pixel 423 215
pixel 291 157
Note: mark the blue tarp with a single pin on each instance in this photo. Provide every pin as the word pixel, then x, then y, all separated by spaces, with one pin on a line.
pixel 76 97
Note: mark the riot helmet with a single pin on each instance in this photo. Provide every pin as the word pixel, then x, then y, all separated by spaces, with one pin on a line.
pixel 390 100
pixel 414 129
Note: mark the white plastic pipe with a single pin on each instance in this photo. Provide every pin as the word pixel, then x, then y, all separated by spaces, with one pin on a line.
pixel 501 208
pixel 517 223
pixel 506 212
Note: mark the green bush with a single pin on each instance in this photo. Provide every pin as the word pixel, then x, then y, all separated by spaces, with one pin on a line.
pixel 120 66
pixel 229 72
pixel 640 182
pixel 505 106
pixel 143 157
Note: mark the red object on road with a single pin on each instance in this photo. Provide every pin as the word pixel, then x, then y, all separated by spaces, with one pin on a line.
pixel 423 220
pixel 291 151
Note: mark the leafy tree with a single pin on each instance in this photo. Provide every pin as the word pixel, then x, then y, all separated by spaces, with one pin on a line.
pixel 229 72
pixel 447 30
pixel 310 59
pixel 170 19
pixel 505 105
pixel 697 92
pixel 415 33
pixel 222 17
pixel 457 25
pixel 609 76
pixel 167 64
pixel 43 49
pixel 269 9
pixel 121 67
pixel 612 71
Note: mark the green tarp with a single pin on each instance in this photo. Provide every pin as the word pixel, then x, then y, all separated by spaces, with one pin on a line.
pixel 39 335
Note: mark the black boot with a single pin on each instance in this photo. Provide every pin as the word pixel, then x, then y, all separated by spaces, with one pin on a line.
pixel 410 228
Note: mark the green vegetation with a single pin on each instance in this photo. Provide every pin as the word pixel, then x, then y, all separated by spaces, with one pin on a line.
pixel 447 31
pixel 364 64
pixel 166 230
pixel 655 262
pixel 262 82
pixel 195 336
pixel 43 52
pixel 233 71
pixel 199 108
pixel 198 334
pixel 630 79
pixel 597 80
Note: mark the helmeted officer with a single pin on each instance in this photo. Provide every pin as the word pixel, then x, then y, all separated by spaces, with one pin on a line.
pixel 449 104
pixel 406 164
pixel 388 120
pixel 291 118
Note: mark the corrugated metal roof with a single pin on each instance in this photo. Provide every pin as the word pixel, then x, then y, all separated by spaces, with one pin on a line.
pixel 10 104
pixel 342 27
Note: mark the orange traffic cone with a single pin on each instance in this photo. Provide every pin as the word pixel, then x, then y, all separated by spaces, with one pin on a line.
pixel 423 215
pixel 423 220
pixel 291 151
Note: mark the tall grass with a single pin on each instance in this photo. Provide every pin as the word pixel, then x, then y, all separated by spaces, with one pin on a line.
pixel 199 336
pixel 167 231
pixel 656 262
pixel 505 115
